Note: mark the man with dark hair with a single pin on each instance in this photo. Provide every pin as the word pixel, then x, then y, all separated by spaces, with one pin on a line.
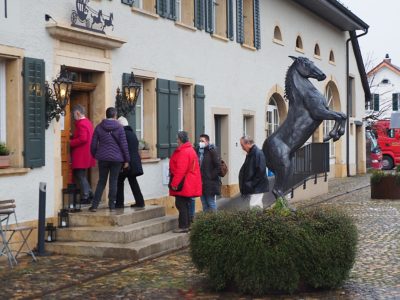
pixel 253 180
pixel 210 167
pixel 110 148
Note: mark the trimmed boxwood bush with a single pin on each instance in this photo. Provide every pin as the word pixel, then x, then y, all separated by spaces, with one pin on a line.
pixel 262 251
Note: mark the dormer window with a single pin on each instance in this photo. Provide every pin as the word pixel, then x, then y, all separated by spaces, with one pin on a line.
pixel 385 81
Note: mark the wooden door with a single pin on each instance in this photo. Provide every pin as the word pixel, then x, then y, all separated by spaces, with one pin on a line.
pixel 82 98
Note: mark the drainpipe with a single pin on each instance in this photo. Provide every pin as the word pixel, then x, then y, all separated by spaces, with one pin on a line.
pixel 348 101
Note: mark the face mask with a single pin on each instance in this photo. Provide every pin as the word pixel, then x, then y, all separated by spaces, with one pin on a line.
pixel 202 145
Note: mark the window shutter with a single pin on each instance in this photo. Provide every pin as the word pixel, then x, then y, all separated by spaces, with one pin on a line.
pixel 34 113
pixel 199 14
pixel 199 110
pixel 209 16
pixel 162 8
pixel 239 22
pixel 173 115
pixel 162 118
pixel 131 116
pixel 395 102
pixel 376 102
pixel 229 20
pixel 257 29
pixel 172 9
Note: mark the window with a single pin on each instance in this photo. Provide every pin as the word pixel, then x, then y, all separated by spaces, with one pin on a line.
pixel 390 133
pixel 272 117
pixel 147 5
pixel 317 51
pixel 248 125
pixel 221 17
pixel 395 101
pixel 185 12
pixel 328 124
pixel 139 113
pixel 299 44
pixel 331 57
pixel 248 23
pixel 2 101
pixel 375 102
pixel 385 81
pixel 277 34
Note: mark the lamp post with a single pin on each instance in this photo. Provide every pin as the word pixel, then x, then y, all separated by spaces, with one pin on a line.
pixel 125 101
pixel 57 101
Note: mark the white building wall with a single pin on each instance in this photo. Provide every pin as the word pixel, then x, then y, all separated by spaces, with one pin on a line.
pixel 234 77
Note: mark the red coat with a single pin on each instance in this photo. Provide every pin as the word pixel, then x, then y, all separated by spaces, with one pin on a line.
pixel 184 163
pixel 80 145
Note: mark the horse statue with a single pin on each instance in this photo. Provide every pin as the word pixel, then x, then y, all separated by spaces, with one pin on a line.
pixel 307 110
pixel 108 22
pixel 97 19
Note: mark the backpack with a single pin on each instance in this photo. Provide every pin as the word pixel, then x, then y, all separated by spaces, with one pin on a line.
pixel 224 168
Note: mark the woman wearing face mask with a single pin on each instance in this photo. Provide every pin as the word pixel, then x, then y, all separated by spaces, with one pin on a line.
pixel 210 165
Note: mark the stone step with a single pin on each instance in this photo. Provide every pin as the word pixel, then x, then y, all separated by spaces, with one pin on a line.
pixel 119 234
pixel 119 217
pixel 138 250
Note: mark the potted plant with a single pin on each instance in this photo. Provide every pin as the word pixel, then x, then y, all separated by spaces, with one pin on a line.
pixel 385 185
pixel 4 156
pixel 144 149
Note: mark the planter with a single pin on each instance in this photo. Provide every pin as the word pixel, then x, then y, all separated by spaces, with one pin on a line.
pixel 144 154
pixel 4 161
pixel 386 188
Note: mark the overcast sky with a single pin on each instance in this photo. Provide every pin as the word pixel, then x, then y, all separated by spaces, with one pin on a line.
pixel 383 19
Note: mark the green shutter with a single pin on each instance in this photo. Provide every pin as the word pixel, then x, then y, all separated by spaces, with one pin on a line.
pixel 199 14
pixel 229 21
pixel 209 16
pixel 162 118
pixel 395 101
pixel 199 110
pixel 173 115
pixel 257 29
pixel 34 113
pixel 172 9
pixel 239 22
pixel 162 8
pixel 376 102
pixel 130 116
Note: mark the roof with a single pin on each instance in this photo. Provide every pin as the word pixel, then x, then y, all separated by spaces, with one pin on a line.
pixel 386 63
pixel 334 13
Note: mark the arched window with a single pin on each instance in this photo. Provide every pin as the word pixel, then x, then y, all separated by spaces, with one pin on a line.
pixel 317 51
pixel 331 57
pixel 299 43
pixel 277 34
pixel 272 116
pixel 328 124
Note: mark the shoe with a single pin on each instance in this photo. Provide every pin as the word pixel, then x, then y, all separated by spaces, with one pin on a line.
pixel 119 206
pixel 92 209
pixel 112 209
pixel 86 201
pixel 181 230
pixel 137 206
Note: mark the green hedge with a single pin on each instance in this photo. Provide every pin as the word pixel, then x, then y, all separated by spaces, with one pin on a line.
pixel 262 251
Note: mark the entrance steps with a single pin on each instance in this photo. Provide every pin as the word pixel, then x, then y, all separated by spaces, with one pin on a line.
pixel 126 233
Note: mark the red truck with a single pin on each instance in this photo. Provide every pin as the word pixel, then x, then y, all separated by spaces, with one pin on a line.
pixel 389 142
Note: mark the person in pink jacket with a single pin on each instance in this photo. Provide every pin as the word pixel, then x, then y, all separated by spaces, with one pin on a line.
pixel 185 179
pixel 82 159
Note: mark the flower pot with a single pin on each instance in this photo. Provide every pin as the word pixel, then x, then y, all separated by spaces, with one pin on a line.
pixel 4 161
pixel 386 188
pixel 144 154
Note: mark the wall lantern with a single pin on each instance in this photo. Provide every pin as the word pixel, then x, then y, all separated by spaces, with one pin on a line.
pixel 125 101
pixel 57 101
pixel 71 200
pixel 63 218
pixel 50 233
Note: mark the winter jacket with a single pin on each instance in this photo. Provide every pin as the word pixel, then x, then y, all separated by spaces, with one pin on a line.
pixel 252 176
pixel 184 165
pixel 135 165
pixel 109 142
pixel 80 145
pixel 210 168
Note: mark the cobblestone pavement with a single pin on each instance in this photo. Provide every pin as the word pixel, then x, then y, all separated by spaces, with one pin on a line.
pixel 376 273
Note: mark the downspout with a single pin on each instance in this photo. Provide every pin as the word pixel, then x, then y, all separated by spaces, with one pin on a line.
pixel 348 101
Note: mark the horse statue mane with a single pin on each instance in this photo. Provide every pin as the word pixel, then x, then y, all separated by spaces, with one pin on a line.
pixel 307 110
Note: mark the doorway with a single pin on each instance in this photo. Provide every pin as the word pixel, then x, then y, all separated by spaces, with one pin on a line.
pixel 80 94
pixel 221 134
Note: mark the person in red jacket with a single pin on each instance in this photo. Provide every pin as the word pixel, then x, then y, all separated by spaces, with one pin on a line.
pixel 185 179
pixel 81 157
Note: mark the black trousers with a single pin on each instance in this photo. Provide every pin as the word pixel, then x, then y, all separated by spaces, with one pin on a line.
pixel 183 206
pixel 137 193
pixel 105 168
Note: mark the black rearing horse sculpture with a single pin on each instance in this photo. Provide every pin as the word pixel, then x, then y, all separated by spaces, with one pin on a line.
pixel 307 110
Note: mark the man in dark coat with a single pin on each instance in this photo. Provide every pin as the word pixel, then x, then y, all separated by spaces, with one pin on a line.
pixel 110 148
pixel 210 167
pixel 135 168
pixel 253 180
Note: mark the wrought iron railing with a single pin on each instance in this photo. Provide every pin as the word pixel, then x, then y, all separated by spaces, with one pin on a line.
pixel 308 162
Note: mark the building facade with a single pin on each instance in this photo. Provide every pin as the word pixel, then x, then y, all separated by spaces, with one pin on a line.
pixel 205 66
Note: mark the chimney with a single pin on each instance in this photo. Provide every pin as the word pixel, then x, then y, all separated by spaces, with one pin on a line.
pixel 387 59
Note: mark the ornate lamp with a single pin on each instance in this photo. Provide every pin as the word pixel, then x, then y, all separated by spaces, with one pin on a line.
pixel 50 233
pixel 63 218
pixel 57 101
pixel 125 102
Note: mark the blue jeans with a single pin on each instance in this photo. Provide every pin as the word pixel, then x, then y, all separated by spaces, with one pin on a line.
pixel 209 203
pixel 105 167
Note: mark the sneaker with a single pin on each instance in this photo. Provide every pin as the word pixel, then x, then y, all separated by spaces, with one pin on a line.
pixel 92 209
pixel 181 230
